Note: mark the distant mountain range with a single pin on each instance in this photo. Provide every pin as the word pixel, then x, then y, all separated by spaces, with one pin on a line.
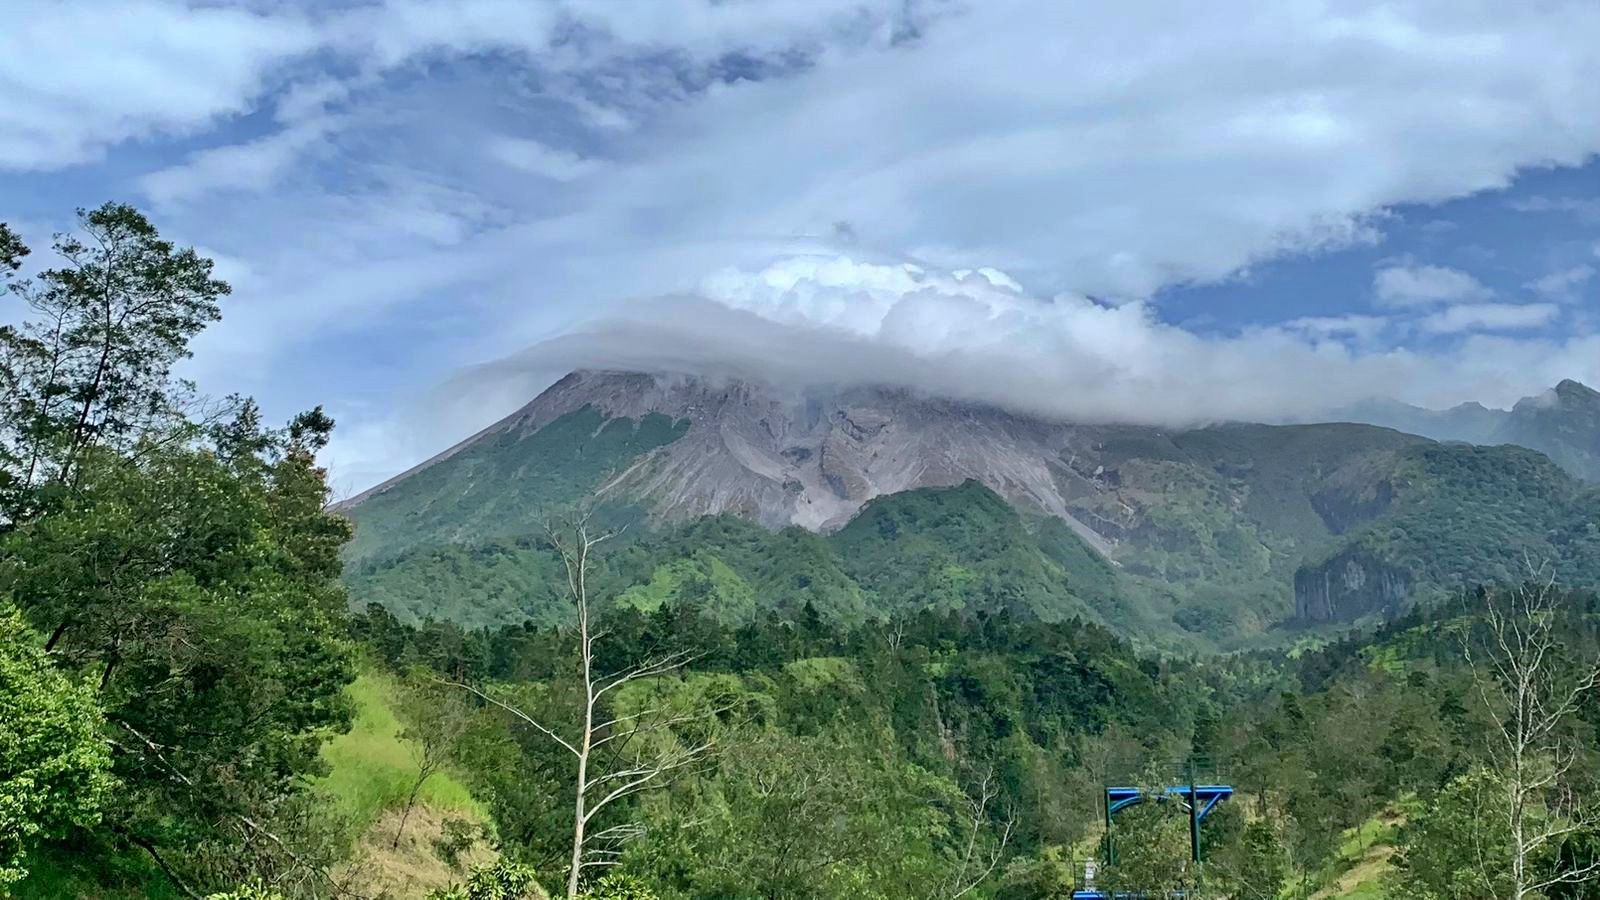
pixel 862 502
pixel 1563 423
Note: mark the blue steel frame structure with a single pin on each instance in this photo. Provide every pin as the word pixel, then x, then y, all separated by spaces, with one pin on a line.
pixel 1197 799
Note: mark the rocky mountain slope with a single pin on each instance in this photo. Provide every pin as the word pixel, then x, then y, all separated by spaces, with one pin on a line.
pixel 1228 530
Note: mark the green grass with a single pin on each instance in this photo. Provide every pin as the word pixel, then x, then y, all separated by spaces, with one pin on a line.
pixel 1371 833
pixel 371 768
pixel 1363 857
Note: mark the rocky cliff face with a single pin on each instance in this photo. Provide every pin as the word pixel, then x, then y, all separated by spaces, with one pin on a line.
pixel 1347 587
pixel 812 457
pixel 1563 423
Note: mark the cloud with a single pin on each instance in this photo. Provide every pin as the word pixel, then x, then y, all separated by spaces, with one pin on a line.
pixel 1563 284
pixel 1417 285
pixel 1490 317
pixel 834 319
pixel 1586 209
pixel 253 166
pixel 1361 328
pixel 1110 151
pixel 78 76
pixel 535 158
pixel 1080 148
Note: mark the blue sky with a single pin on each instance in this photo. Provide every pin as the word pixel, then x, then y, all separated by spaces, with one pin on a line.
pixel 1127 211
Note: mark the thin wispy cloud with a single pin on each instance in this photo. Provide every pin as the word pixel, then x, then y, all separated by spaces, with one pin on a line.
pixel 1564 284
pixel 1491 317
pixel 1421 285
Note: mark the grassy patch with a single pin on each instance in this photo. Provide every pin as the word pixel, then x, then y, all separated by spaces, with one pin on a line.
pixel 372 768
pixel 1364 857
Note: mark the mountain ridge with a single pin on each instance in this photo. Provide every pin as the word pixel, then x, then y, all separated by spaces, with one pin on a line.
pixel 1235 528
pixel 1562 422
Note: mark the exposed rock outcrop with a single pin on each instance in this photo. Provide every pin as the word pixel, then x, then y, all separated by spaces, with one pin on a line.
pixel 1347 587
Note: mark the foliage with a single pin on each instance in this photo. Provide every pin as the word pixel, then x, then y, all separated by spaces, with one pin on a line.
pixel 1457 848
pixel 1254 867
pixel 958 549
pixel 254 891
pixel 1151 842
pixel 620 887
pixel 369 768
pixel 961 549
pixel 176 556
pixel 53 760
pixel 1048 876
pixel 232 554
pixel 849 762
pixel 92 367
pixel 500 880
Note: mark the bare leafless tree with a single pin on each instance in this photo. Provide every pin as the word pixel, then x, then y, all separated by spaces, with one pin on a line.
pixel 979 856
pixel 615 754
pixel 437 722
pixel 1533 691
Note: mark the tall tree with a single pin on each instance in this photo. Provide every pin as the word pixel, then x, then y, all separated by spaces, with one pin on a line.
pixel 1535 690
pixel 617 750
pixel 438 718
pixel 93 365
pixel 1457 846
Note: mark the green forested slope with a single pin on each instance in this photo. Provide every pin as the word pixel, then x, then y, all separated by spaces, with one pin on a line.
pixel 1461 515
pixel 960 549
pixel 852 768
pixel 505 485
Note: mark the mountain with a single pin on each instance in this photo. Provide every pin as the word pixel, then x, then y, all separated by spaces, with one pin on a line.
pixel 1562 423
pixel 859 502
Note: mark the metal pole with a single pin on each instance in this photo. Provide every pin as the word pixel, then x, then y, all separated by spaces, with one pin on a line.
pixel 1194 816
pixel 1111 852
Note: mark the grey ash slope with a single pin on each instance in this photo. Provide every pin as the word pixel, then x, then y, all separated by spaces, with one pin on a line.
pixel 1224 530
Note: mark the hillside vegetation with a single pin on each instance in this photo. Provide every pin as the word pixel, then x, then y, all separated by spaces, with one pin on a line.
pixel 1244 534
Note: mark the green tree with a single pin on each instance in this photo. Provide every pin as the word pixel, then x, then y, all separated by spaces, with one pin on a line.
pixel 253 891
pixel 437 716
pixel 53 762
pixel 1255 866
pixel 92 365
pixel 1048 876
pixel 1152 848
pixel 198 592
pixel 1458 847
pixel 12 252
pixel 186 567
pixel 618 886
